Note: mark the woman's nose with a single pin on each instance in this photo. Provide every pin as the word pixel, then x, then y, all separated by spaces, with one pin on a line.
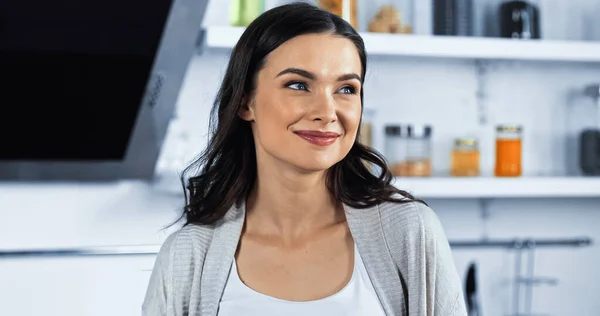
pixel 324 109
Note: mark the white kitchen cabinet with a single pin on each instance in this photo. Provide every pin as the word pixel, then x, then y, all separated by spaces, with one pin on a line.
pixel 82 286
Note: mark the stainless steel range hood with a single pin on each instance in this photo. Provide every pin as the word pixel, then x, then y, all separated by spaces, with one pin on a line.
pixel 87 88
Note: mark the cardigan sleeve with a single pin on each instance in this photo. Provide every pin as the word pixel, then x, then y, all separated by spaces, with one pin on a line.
pixel 159 286
pixel 442 283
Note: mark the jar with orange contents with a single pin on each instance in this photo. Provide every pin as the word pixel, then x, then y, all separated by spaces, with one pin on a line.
pixel 343 8
pixel 508 150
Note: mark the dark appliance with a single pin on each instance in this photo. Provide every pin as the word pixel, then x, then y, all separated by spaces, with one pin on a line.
pixel 589 139
pixel 89 87
pixel 520 19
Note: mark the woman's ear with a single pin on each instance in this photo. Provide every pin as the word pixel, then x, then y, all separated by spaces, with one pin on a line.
pixel 246 112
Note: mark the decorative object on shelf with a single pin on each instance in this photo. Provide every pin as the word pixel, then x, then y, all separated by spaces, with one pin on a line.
pixel 243 12
pixel 453 17
pixel 343 8
pixel 508 150
pixel 465 158
pixel 390 20
pixel 589 140
pixel 520 19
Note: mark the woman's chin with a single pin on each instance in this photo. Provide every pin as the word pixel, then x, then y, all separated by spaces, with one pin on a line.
pixel 316 165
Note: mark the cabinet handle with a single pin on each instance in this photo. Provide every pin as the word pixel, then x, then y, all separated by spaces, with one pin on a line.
pixel 82 252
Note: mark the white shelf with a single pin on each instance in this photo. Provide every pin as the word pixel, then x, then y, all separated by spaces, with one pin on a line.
pixel 490 187
pixel 447 46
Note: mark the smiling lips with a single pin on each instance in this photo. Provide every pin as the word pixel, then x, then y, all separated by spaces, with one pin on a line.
pixel 318 138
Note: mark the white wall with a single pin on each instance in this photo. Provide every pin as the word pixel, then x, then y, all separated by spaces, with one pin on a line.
pixel 440 92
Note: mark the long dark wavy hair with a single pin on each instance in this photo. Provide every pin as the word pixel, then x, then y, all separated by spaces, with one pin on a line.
pixel 225 172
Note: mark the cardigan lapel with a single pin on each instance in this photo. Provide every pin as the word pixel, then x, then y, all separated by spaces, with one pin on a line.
pixel 365 226
pixel 219 259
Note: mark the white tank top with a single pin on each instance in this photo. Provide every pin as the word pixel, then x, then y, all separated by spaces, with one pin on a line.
pixel 358 297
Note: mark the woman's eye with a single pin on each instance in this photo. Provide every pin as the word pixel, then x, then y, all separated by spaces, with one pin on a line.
pixel 297 86
pixel 348 90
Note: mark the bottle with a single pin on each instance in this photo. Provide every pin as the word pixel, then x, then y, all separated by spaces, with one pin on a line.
pixel 346 9
pixel 453 17
pixel 366 128
pixel 243 12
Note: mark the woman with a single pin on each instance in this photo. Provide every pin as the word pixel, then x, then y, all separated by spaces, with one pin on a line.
pixel 285 217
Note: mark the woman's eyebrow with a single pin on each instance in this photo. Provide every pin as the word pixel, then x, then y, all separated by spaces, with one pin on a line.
pixel 311 76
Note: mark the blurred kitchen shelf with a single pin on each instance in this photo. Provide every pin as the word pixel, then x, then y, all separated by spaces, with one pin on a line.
pixel 446 46
pixel 490 187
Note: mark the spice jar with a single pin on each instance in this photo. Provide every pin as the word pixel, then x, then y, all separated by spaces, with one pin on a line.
pixel 343 8
pixel 396 137
pixel 418 151
pixel 508 150
pixel 465 158
pixel 366 128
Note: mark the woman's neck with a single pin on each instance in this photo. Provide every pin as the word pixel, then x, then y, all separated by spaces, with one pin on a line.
pixel 290 203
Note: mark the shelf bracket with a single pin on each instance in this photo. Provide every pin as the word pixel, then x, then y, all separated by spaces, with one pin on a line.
pixel 481 71
pixel 484 209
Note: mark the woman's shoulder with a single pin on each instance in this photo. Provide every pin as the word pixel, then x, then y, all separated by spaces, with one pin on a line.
pixel 409 216
pixel 186 241
pixel 178 256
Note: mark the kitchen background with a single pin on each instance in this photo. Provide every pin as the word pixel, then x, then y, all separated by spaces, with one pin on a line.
pixel 437 83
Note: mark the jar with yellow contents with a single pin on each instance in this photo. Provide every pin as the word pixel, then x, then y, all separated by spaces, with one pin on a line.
pixel 465 158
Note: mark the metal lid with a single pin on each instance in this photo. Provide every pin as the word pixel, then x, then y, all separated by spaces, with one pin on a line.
pixel 392 130
pixel 396 130
pixel 509 128
pixel 420 131
pixel 466 142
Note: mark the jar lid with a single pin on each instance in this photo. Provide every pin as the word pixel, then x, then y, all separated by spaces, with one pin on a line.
pixel 392 130
pixel 396 130
pixel 467 142
pixel 420 131
pixel 509 128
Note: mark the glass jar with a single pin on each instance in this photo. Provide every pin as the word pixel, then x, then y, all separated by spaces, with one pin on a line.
pixel 243 12
pixel 366 128
pixel 343 8
pixel 508 150
pixel 395 16
pixel 396 137
pixel 418 151
pixel 465 158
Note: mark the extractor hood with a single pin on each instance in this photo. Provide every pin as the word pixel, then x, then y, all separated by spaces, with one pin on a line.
pixel 87 88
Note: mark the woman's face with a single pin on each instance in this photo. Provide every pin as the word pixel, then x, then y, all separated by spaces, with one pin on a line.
pixel 306 108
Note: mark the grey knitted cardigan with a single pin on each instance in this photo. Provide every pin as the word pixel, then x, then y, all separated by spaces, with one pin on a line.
pixel 403 246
